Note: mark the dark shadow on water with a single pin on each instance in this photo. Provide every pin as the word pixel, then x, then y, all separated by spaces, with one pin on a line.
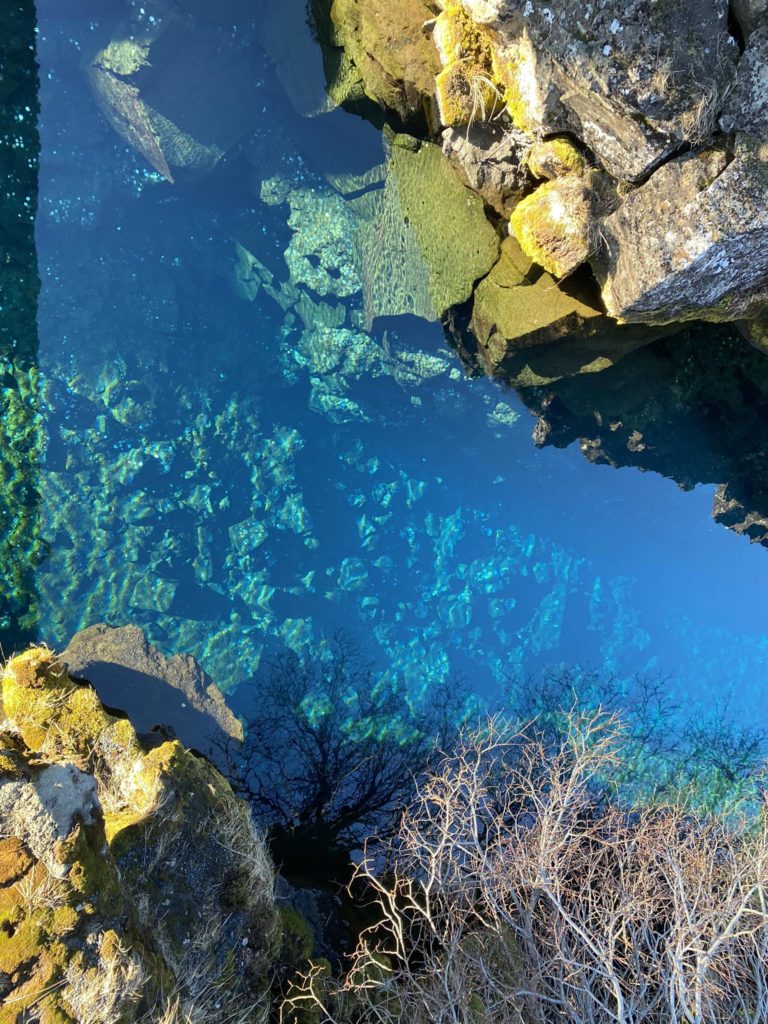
pixel 692 407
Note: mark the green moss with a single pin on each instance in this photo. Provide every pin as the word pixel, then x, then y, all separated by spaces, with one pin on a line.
pixel 554 225
pixel 22 947
pixel 124 56
pixel 514 72
pixel 15 860
pixel 554 158
pixel 466 89
pixel 92 874
pixel 33 685
pixel 298 943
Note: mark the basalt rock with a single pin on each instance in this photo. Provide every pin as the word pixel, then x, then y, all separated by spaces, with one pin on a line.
pixel 749 14
pixel 490 160
pixel 153 690
pixel 690 243
pixel 529 330
pixel 393 56
pixel 632 85
pixel 132 884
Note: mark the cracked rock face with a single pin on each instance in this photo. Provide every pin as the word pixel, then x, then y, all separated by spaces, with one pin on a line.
pixel 689 244
pixel 488 160
pixel 634 86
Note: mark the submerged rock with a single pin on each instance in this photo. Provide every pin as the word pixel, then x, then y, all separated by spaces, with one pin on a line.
pixel 181 95
pixel 131 882
pixel 392 54
pixel 426 240
pixel 128 672
pixel 693 408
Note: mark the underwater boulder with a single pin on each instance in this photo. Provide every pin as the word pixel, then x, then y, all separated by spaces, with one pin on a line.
pixel 130 880
pixel 181 95
pixel 393 56
pixel 653 408
pixel 425 239
pixel 153 690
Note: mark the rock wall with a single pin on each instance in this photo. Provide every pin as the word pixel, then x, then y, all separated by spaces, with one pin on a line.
pixel 132 884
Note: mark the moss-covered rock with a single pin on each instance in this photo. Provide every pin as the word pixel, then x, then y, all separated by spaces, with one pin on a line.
pixel 554 158
pixel 129 880
pixel 395 59
pixel 554 225
pixel 516 307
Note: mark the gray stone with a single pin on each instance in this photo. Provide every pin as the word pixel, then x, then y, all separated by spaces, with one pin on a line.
pixel 750 14
pixel 692 243
pixel 490 160
pixel 42 810
pixel 746 110
pixel 634 85
pixel 129 673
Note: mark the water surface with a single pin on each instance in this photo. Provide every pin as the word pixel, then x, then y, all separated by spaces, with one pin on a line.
pixel 226 452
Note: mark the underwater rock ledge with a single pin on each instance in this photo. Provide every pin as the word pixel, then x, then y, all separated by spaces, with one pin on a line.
pixel 132 882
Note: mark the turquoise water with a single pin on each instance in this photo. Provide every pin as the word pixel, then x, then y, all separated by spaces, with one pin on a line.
pixel 225 450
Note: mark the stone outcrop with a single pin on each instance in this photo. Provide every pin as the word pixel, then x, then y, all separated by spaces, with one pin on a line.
pixel 393 56
pixel 132 883
pixel 490 160
pixel 749 15
pixel 651 142
pixel 690 243
pixel 152 689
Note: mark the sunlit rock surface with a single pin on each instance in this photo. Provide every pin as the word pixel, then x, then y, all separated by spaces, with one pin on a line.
pixel 390 50
pixel 130 878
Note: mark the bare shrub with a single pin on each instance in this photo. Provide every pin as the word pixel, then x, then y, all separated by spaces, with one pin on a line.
pixel 513 892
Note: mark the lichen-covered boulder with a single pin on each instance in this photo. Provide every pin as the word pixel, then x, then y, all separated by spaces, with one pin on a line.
pixel 631 85
pixel 555 158
pixel 746 110
pixel 531 330
pixel 132 883
pixel 489 159
pixel 555 225
pixel 692 243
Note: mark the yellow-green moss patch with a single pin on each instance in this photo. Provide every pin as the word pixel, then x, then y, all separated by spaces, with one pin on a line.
pixel 554 225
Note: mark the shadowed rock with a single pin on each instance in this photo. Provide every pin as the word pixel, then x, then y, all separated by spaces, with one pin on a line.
pixel 154 690
pixel 693 408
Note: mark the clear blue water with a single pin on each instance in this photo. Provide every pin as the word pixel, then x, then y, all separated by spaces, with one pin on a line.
pixel 244 473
